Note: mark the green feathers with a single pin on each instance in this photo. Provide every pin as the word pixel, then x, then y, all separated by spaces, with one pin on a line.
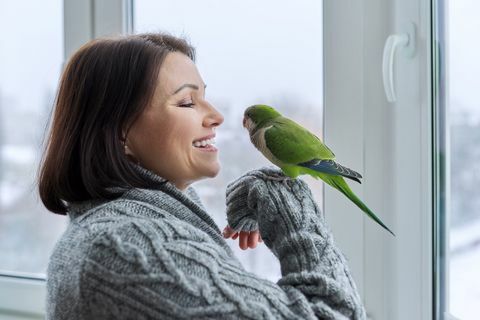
pixel 297 151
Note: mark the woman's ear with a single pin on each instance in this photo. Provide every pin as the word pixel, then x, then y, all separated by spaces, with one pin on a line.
pixel 127 150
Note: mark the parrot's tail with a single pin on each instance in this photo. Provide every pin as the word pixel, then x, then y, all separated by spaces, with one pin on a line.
pixel 339 183
pixel 331 167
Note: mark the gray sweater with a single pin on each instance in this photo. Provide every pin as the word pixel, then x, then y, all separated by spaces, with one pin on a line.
pixel 157 254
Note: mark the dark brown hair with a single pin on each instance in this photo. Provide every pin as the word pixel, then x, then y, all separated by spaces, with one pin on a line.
pixel 105 86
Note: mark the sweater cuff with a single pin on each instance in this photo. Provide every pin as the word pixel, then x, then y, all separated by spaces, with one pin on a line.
pixel 300 251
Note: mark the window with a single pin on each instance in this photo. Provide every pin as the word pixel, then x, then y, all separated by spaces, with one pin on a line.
pixel 248 54
pixel 273 52
pixel 28 83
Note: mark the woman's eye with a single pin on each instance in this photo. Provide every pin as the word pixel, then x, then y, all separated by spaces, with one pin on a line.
pixel 186 105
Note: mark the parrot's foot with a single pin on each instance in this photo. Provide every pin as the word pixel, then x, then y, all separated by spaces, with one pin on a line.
pixel 291 171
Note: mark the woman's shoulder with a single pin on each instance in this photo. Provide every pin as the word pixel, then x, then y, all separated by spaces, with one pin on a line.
pixel 114 216
pixel 116 225
pixel 110 241
pixel 126 215
pixel 140 203
pixel 121 230
pixel 103 214
pixel 122 222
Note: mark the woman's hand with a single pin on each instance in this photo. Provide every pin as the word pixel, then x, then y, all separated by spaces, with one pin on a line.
pixel 250 206
pixel 267 200
pixel 248 239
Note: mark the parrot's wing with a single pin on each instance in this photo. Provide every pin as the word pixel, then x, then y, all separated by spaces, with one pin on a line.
pixel 331 167
pixel 293 144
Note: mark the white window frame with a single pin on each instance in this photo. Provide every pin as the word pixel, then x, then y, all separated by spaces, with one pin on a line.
pixel 23 296
pixel 391 144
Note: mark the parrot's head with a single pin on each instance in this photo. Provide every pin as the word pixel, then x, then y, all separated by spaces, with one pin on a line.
pixel 257 115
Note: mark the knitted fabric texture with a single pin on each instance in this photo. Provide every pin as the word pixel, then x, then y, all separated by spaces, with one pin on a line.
pixel 157 254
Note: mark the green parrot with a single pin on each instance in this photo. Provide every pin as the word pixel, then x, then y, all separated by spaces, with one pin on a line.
pixel 297 151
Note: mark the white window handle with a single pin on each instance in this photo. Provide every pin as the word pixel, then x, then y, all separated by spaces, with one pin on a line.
pixel 405 40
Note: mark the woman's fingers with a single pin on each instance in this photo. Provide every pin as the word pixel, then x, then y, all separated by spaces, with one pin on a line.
pixel 243 242
pixel 228 232
pixel 247 239
pixel 253 239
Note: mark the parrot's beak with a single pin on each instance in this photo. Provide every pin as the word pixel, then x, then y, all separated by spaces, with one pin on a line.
pixel 244 122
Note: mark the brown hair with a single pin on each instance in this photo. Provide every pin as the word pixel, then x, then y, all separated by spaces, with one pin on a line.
pixel 105 86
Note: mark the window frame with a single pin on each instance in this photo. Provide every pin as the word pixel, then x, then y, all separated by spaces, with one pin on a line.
pixel 21 296
pixel 391 144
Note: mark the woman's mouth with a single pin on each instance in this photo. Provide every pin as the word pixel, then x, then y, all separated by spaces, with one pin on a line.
pixel 205 145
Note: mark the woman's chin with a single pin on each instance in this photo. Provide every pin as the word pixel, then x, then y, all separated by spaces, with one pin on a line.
pixel 213 170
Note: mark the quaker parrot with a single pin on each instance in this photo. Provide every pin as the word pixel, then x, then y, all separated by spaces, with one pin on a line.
pixel 297 151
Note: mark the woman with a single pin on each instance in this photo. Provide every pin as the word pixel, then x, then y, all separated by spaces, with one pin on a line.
pixel 131 131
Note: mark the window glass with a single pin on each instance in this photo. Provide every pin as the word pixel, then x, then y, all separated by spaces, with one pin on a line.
pixel 248 52
pixel 31 53
pixel 463 114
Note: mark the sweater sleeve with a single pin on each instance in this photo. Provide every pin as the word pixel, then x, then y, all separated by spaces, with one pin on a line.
pixel 294 229
pixel 168 269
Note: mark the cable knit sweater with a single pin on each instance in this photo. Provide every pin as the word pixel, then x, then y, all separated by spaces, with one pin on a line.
pixel 157 254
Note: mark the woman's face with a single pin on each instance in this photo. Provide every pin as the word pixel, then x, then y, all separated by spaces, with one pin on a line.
pixel 167 138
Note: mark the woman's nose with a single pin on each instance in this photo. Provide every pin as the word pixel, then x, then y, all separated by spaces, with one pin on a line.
pixel 214 118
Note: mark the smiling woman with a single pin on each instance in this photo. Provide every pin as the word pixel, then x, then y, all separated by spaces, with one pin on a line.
pixel 177 128
pixel 131 131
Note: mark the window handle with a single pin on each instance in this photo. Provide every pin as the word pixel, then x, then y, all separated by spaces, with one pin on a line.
pixel 407 42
